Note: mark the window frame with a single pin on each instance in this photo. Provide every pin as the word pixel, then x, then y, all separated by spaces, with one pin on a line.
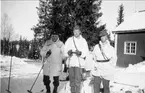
pixel 130 42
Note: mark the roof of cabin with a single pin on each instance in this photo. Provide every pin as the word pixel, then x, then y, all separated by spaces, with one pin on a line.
pixel 134 23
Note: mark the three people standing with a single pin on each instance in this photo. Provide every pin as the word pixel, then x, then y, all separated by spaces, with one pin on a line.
pixel 74 51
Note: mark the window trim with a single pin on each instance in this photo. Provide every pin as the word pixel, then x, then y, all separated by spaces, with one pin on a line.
pixel 130 47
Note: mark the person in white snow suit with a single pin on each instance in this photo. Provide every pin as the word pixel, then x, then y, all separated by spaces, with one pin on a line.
pixel 76 49
pixel 105 61
pixel 53 53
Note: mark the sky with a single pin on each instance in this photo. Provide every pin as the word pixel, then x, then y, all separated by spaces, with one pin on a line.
pixel 23 13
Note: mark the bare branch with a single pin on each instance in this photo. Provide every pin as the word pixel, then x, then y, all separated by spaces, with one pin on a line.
pixel 7 30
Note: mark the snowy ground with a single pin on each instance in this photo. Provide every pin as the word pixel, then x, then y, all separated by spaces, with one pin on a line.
pixel 24 73
pixel 131 78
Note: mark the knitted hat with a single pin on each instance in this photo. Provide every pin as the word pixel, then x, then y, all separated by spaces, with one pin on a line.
pixel 103 33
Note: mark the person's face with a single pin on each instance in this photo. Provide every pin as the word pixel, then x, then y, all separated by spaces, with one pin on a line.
pixel 103 38
pixel 54 38
pixel 77 33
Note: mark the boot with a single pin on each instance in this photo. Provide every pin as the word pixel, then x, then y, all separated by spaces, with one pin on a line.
pixel 48 89
pixel 55 83
pixel 46 80
pixel 55 90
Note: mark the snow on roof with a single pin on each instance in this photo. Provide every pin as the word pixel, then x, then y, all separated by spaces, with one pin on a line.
pixel 133 23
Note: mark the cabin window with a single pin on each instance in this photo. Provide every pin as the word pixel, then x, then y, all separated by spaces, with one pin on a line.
pixel 130 47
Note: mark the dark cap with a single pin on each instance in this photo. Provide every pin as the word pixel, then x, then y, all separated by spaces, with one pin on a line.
pixel 103 33
pixel 54 33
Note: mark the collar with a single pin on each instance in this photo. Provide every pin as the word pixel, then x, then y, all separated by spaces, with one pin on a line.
pixel 78 37
pixel 106 43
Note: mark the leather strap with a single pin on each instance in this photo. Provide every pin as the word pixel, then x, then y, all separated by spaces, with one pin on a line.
pixel 75 44
pixel 105 57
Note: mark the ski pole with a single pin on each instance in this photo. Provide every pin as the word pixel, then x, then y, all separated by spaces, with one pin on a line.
pixel 127 84
pixel 30 91
pixel 8 90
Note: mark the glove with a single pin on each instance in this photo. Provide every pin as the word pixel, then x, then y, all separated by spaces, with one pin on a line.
pixel 78 53
pixel 48 53
pixel 70 52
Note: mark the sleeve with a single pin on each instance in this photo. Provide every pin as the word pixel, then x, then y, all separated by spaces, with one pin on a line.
pixel 85 50
pixel 62 51
pixel 44 50
pixel 95 56
pixel 95 52
pixel 89 62
pixel 113 59
pixel 66 47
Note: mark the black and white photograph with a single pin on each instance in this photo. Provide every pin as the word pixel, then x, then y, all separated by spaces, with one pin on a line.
pixel 72 46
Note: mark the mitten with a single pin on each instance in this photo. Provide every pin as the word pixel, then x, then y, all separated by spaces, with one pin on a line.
pixel 78 53
pixel 70 52
pixel 48 53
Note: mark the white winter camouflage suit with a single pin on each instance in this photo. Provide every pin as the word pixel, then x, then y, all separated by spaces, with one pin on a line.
pixel 105 70
pixel 53 64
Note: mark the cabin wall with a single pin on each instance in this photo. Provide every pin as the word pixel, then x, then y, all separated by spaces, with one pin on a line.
pixel 125 59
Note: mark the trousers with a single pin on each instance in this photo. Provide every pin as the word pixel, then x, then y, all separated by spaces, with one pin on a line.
pixel 75 77
pixel 46 81
pixel 97 84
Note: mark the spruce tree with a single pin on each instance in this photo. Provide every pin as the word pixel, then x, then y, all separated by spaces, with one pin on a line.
pixel 120 18
pixel 60 16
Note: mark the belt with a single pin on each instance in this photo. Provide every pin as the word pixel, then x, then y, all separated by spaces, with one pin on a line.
pixel 103 61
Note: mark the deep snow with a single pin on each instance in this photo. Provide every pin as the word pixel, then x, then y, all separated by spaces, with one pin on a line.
pixel 24 71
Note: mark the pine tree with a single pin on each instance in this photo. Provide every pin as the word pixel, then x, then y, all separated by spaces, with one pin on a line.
pixel 120 18
pixel 60 16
